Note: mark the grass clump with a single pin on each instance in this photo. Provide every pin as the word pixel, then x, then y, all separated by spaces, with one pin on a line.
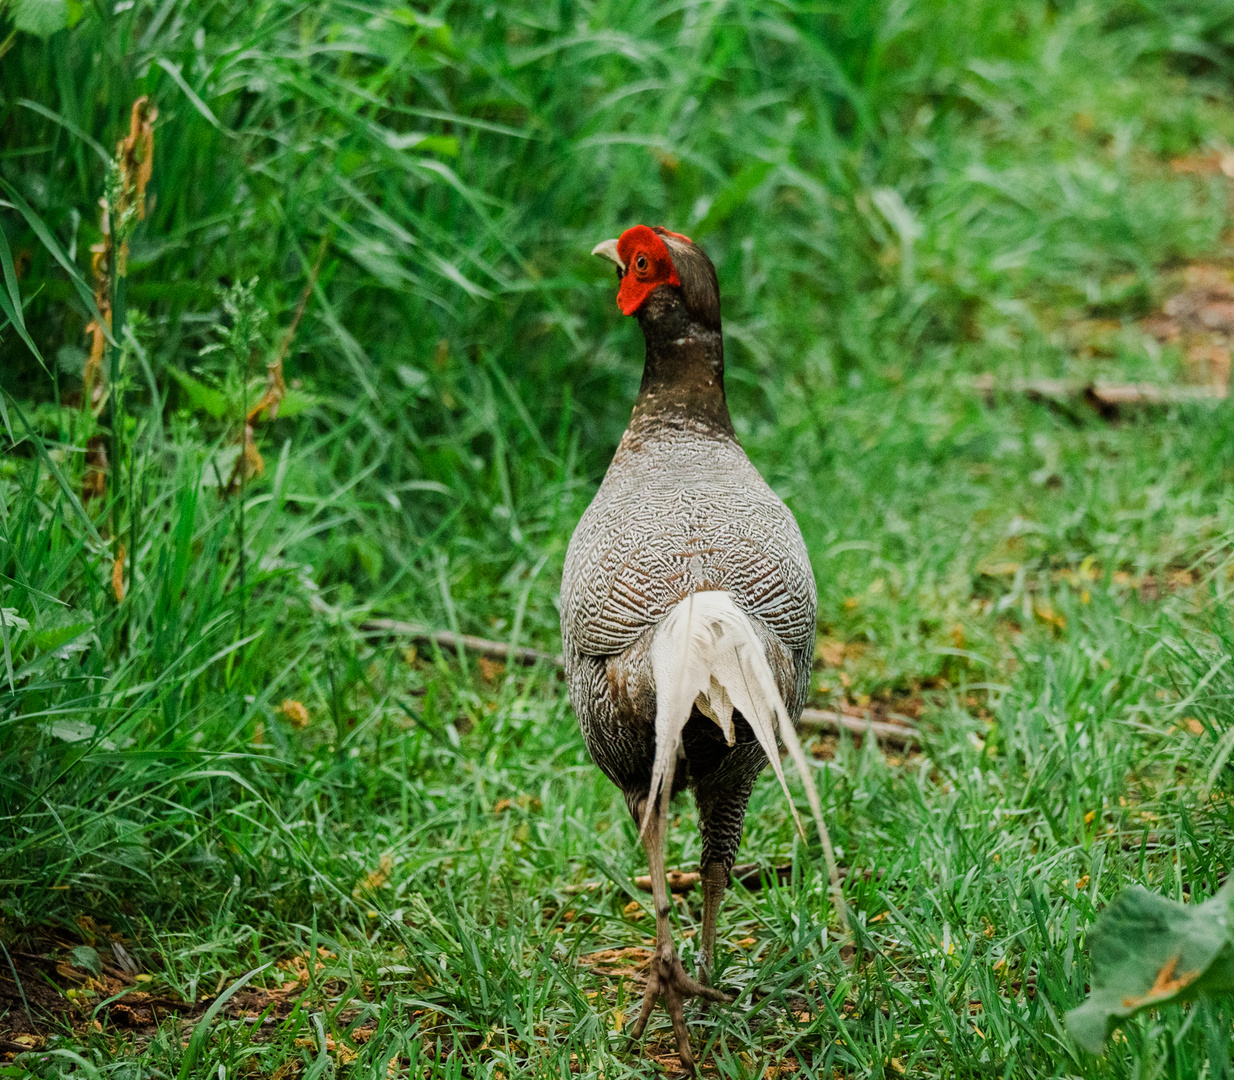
pixel 359 364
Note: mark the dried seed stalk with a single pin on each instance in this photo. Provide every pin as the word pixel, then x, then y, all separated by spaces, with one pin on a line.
pixel 124 204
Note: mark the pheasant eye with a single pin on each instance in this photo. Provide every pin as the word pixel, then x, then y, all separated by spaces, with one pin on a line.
pixel 641 262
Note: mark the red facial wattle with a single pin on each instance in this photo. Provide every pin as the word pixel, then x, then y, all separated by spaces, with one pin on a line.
pixel 648 265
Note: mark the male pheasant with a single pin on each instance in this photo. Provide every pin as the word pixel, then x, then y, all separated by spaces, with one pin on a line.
pixel 687 602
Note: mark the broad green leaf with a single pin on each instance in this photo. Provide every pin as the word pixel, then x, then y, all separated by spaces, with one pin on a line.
pixel 56 638
pixel 44 17
pixel 205 398
pixel 71 730
pixel 87 958
pixel 295 402
pixel 1149 951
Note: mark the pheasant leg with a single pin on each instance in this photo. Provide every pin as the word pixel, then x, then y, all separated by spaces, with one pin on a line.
pixel 715 880
pixel 667 978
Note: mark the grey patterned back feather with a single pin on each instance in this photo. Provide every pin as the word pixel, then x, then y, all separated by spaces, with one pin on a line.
pixel 681 510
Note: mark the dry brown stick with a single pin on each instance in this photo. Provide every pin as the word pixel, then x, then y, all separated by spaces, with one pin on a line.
pixel 1108 398
pixel 812 719
pixel 679 881
pixel 447 639
pixel 1100 395
pixel 834 722
pixel 750 875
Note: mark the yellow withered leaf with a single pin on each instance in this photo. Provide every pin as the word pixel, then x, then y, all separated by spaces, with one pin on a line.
pixel 295 712
pixel 117 572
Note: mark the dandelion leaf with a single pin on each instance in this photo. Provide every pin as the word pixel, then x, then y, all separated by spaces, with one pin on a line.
pixel 1149 951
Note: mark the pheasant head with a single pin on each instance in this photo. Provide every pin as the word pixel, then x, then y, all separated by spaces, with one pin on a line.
pixel 665 277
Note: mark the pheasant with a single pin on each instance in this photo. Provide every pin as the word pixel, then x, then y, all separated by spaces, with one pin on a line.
pixel 687 603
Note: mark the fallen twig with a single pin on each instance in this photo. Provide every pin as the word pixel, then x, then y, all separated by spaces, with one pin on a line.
pixel 679 881
pixel 750 875
pixel 890 734
pixel 447 639
pixel 899 735
pixel 1106 398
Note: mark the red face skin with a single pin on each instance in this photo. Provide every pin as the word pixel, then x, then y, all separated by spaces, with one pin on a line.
pixel 648 266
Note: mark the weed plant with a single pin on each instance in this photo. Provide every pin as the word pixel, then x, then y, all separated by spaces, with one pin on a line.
pixel 203 748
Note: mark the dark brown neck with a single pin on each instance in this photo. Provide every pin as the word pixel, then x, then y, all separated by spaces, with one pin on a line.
pixel 683 380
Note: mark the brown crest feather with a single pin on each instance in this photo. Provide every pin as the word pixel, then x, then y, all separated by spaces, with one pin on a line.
pixel 699 285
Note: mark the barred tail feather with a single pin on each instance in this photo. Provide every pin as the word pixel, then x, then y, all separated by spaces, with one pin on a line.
pixel 707 652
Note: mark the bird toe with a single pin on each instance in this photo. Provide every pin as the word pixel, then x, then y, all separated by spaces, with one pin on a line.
pixel 669 982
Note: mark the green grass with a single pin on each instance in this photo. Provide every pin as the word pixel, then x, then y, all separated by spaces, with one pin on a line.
pixel 898 198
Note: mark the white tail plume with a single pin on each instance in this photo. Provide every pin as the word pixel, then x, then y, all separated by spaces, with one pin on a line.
pixel 707 652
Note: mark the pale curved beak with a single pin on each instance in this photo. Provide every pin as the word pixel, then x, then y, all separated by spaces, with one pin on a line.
pixel 607 249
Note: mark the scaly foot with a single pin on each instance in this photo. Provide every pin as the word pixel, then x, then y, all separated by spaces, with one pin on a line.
pixel 668 980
